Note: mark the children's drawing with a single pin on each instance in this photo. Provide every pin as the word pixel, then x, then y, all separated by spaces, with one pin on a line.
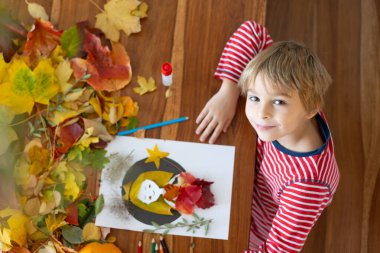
pixel 170 187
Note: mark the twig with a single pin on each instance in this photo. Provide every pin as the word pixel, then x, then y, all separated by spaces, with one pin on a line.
pixel 96 5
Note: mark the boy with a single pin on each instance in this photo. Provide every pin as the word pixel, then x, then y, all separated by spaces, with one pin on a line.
pixel 296 171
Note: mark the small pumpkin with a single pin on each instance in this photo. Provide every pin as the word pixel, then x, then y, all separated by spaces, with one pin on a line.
pixel 95 247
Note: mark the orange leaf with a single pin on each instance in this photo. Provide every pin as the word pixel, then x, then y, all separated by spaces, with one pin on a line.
pixel 42 40
pixel 109 70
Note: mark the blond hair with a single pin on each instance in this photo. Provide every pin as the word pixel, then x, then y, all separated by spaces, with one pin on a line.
pixel 288 66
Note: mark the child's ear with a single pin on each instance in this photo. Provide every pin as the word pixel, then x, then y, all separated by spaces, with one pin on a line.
pixel 312 113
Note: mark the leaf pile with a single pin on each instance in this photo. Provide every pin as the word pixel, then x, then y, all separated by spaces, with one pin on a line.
pixel 59 107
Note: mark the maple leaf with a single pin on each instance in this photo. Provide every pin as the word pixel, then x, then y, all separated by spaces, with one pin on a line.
pixel 108 70
pixel 16 223
pixel 54 221
pixel 144 85
pixel 7 134
pixel 24 87
pixel 155 155
pixel 120 15
pixel 42 40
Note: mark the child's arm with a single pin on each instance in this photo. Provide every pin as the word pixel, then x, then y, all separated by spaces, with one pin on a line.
pixel 219 111
pixel 300 206
pixel 246 42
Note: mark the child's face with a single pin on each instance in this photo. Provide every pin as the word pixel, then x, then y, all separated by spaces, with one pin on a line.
pixel 275 114
pixel 149 191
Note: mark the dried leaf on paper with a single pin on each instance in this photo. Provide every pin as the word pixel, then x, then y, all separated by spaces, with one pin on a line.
pixel 108 70
pixel 145 85
pixel 155 155
pixel 120 15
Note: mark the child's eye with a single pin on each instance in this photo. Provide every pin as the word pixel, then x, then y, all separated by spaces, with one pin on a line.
pixel 279 102
pixel 253 98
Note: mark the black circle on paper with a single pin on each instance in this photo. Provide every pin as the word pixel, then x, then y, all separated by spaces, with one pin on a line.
pixel 146 217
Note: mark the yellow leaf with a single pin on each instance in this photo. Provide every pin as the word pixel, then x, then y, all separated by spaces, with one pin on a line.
pixel 71 188
pixel 5 239
pixel 24 87
pixel 37 11
pixel 86 138
pixel 55 221
pixel 155 155
pixel 161 178
pixel 3 68
pixel 63 73
pixel 144 85
pixel 17 225
pixel 141 10
pixel 91 232
pixel 117 16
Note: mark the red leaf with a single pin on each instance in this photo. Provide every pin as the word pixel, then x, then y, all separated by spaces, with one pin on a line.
pixel 42 40
pixel 109 70
pixel 183 203
pixel 68 136
pixel 185 178
pixel 72 214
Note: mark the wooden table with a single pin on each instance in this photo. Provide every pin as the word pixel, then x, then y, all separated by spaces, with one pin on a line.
pixel 190 34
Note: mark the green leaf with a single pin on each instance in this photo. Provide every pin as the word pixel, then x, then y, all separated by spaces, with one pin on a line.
pixel 155 224
pixel 196 217
pixel 207 227
pixel 95 158
pixel 99 204
pixel 72 234
pixel 169 225
pixel 133 121
pixel 71 41
pixel 166 231
pixel 148 230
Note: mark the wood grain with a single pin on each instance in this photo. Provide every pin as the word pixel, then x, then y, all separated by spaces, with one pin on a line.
pixel 190 34
pixel 345 35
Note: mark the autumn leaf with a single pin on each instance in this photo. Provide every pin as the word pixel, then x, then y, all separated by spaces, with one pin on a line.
pixel 71 41
pixel 155 155
pixel 26 87
pixel 120 15
pixel 54 221
pixel 108 70
pixel 63 73
pixel 68 136
pixel 42 40
pixel 16 223
pixel 144 85
pixel 37 11
pixel 91 232
pixel 141 10
pixel 7 133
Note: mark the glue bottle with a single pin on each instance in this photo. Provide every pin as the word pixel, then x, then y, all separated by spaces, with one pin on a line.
pixel 166 73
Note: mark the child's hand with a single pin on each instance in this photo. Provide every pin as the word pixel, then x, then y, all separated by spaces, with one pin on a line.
pixel 218 113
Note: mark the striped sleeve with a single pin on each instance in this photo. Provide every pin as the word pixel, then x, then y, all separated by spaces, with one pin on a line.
pixel 300 206
pixel 246 42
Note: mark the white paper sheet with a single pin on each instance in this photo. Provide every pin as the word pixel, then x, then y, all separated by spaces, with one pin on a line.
pixel 210 162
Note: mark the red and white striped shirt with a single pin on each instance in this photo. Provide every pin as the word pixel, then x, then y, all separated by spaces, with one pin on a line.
pixel 291 189
pixel 246 42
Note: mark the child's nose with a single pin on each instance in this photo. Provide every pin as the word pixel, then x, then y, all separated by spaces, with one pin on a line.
pixel 264 111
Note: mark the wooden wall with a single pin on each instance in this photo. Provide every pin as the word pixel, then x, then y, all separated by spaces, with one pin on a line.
pixel 346 36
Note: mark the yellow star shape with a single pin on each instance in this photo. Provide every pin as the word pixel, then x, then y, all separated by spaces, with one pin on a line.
pixel 155 155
